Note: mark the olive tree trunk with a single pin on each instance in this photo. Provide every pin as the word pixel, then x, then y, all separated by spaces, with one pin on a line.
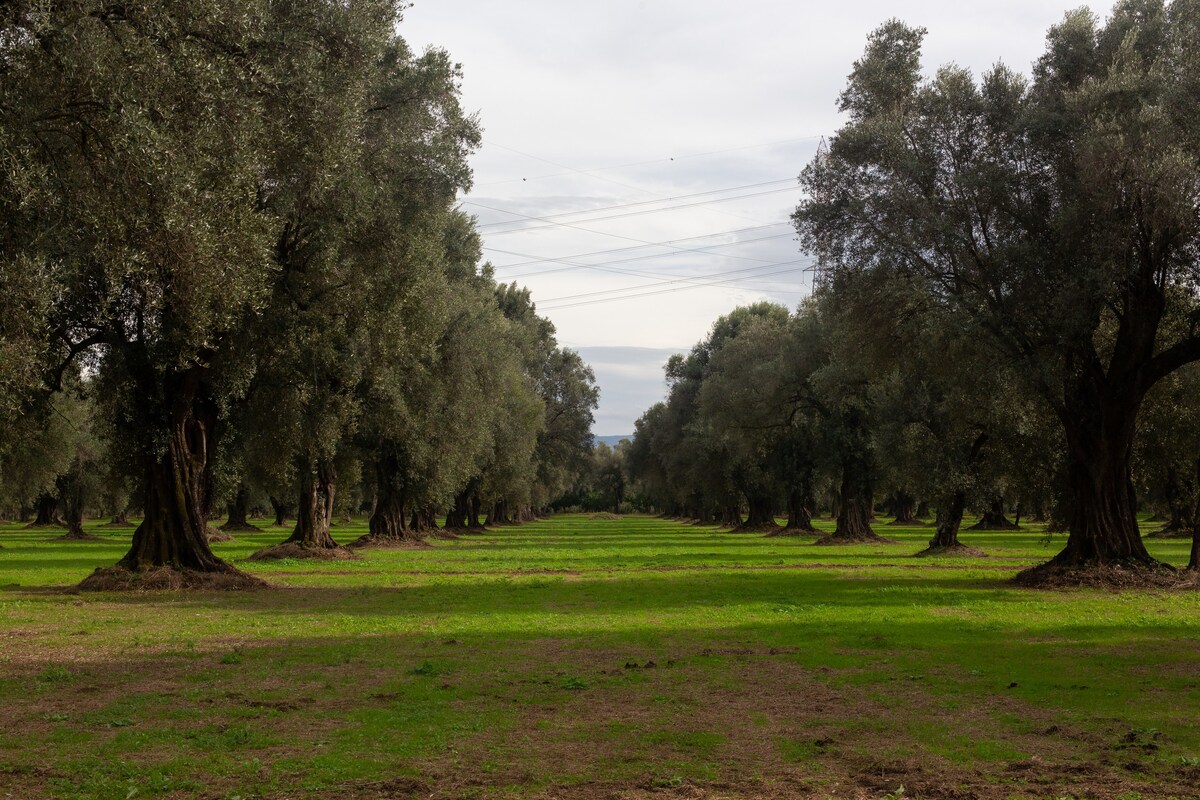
pixel 318 484
pixel 173 532
pixel 949 521
pixel 238 510
pixel 47 512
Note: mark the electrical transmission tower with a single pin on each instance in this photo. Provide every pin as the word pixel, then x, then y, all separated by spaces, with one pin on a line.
pixel 822 273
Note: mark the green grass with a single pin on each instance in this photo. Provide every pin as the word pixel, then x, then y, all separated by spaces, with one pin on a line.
pixel 575 652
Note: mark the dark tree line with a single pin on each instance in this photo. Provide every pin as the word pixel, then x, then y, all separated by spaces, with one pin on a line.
pixel 230 244
pixel 1010 283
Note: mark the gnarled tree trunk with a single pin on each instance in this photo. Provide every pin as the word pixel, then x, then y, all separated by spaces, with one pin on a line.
pixel 799 518
pixel 388 521
pixel 424 520
pixel 280 512
pixel 949 521
pixel 72 502
pixel 499 514
pixel 903 506
pixel 759 514
pixel 173 532
pixel 47 512
pixel 474 509
pixel 994 520
pixel 318 484
pixel 856 497
pixel 456 517
pixel 1099 416
pixel 238 510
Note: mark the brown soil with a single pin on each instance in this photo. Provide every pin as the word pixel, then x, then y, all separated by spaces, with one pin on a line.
pixel 794 532
pixel 605 517
pixel 1169 533
pixel 873 538
pixel 1113 577
pixel 618 740
pixel 768 528
pixel 444 533
pixel 111 524
pixel 956 550
pixel 460 532
pixel 120 579
pixel 247 528
pixel 218 535
pixel 67 537
pixel 293 550
pixel 389 544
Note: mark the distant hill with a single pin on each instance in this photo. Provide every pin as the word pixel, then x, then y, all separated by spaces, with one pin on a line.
pixel 611 441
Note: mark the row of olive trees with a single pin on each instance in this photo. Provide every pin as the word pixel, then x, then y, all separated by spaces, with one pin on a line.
pixel 1035 242
pixel 231 225
pixel 834 409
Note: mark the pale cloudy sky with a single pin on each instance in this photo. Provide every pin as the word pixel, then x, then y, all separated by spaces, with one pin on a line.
pixel 640 157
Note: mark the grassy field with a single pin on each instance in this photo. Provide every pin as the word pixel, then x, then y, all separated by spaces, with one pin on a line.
pixel 590 658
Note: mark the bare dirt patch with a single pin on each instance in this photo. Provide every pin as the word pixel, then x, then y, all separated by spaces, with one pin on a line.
pixel 959 551
pixel 80 537
pixel 160 579
pixel 1112 577
pixel 783 731
pixel 278 552
pixel 767 527
pixel 872 538
pixel 381 543
pixel 218 535
pixel 811 532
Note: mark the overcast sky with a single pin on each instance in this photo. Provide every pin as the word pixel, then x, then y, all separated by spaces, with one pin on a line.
pixel 640 158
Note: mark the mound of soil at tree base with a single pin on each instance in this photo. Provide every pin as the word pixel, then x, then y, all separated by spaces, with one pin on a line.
pixel 168 579
pixel 385 543
pixel 1005 525
pixel 959 550
pixel 605 516
pixel 793 532
pixel 768 528
pixel 873 538
pixel 69 537
pixel 1169 533
pixel 114 524
pixel 1107 576
pixel 33 526
pixel 218 535
pixel 294 550
pixel 443 533
pixel 460 532
pixel 238 528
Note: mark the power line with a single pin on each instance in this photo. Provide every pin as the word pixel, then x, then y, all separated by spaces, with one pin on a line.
pixel 539 259
pixel 603 266
pixel 618 236
pixel 723 275
pixel 670 278
pixel 550 222
pixel 650 202
pixel 661 291
pixel 588 173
